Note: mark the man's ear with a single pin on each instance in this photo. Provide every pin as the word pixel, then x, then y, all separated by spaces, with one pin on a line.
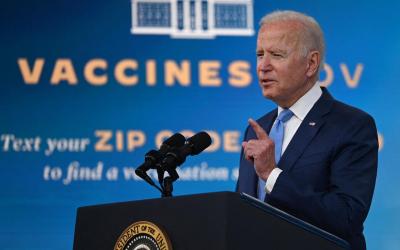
pixel 313 62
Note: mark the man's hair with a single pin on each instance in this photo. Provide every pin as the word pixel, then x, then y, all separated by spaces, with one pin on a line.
pixel 311 35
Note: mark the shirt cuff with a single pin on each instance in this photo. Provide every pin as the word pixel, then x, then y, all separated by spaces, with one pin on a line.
pixel 273 176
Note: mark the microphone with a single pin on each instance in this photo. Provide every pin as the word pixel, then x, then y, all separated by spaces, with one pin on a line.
pixel 193 146
pixel 153 157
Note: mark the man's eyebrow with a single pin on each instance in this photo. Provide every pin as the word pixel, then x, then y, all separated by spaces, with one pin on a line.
pixel 275 49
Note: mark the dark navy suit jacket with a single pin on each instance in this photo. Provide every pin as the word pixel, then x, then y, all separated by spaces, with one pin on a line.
pixel 329 169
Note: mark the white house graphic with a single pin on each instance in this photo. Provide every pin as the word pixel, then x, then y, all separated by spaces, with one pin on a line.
pixel 193 18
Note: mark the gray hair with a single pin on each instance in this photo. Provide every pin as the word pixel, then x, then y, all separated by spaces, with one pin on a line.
pixel 312 37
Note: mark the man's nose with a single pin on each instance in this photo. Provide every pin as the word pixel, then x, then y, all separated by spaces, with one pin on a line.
pixel 264 63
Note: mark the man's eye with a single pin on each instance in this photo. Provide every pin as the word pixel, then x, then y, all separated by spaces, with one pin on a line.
pixel 260 54
pixel 277 55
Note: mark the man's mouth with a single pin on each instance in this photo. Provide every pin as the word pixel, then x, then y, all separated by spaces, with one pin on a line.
pixel 267 82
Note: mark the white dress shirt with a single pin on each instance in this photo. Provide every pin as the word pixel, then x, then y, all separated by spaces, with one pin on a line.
pixel 300 109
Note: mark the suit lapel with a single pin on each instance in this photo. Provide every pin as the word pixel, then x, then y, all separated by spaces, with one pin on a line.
pixel 269 120
pixel 310 126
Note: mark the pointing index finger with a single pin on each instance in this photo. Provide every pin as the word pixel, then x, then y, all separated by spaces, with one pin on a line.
pixel 260 132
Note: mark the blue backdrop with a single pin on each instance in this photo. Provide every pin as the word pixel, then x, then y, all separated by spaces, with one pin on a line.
pixel 84 94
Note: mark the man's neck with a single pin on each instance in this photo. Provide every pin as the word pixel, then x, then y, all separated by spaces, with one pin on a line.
pixel 299 94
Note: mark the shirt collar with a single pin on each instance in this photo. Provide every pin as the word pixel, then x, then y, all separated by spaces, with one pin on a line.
pixel 301 108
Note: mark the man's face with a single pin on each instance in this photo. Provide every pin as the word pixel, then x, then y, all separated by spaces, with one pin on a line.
pixel 281 68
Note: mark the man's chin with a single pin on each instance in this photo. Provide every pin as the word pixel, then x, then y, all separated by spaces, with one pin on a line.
pixel 268 94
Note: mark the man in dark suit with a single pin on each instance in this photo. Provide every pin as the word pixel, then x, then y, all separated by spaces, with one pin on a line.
pixel 313 157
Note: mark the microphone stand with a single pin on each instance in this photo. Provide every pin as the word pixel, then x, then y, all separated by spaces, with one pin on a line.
pixel 168 187
pixel 168 183
pixel 142 174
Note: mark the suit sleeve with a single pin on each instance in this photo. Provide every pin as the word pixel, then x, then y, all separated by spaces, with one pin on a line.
pixel 239 183
pixel 343 206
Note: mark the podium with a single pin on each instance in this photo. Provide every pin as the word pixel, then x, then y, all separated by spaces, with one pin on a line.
pixel 222 220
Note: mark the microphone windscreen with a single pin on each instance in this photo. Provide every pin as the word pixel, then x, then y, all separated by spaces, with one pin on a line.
pixel 199 142
pixel 177 140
